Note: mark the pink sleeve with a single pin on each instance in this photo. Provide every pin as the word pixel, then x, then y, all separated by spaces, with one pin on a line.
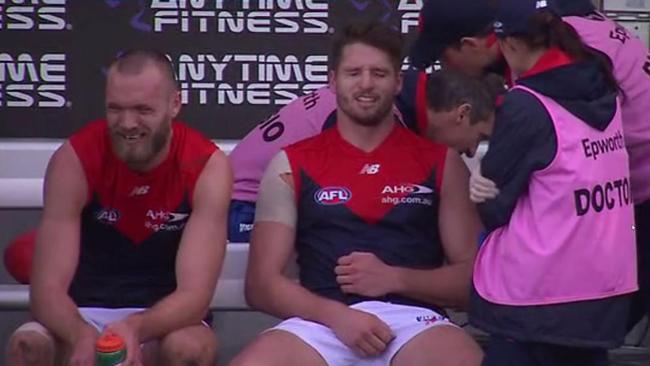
pixel 298 120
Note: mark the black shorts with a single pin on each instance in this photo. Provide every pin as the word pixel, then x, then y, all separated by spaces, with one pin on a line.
pixel 503 352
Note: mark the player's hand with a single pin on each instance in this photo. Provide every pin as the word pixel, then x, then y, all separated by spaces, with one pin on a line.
pixel 364 274
pixel 82 349
pixel 481 189
pixel 363 332
pixel 128 332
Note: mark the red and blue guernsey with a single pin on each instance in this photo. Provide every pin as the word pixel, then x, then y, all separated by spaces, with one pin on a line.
pixel 383 202
pixel 132 223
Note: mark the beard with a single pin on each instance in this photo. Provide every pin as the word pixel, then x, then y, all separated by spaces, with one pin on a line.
pixel 138 155
pixel 365 117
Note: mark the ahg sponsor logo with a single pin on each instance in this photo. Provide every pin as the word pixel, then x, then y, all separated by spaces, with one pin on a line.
pixel 330 196
pixel 251 79
pixel 252 16
pixel 412 194
pixel 27 80
pixel 161 220
pixel 407 188
pixel 45 15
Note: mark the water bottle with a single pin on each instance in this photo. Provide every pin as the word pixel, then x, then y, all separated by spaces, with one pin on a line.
pixel 110 350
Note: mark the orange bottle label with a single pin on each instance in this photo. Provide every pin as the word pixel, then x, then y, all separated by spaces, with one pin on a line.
pixel 109 343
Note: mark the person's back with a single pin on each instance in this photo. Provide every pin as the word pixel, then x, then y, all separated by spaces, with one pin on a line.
pixel 630 60
pixel 631 67
pixel 560 249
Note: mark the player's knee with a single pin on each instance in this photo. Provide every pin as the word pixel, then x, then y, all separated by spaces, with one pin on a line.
pixel 183 349
pixel 30 347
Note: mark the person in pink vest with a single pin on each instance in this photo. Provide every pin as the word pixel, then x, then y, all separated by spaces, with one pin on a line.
pixel 458 33
pixel 554 276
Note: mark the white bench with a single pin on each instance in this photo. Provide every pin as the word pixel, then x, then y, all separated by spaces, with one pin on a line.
pixel 22 168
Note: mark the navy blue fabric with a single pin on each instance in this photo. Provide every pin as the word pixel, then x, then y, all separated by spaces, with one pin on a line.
pixel 574 7
pixel 513 16
pixel 402 238
pixel 140 275
pixel 504 352
pixel 240 221
pixel 445 22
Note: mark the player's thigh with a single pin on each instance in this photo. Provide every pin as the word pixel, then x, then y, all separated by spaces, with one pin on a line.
pixel 278 348
pixel 444 345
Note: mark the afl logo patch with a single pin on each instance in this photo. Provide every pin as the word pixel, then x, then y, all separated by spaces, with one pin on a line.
pixel 329 196
pixel 107 216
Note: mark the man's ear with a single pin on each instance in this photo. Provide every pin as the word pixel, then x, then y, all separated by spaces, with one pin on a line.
pixel 471 42
pixel 176 103
pixel 400 81
pixel 331 79
pixel 464 111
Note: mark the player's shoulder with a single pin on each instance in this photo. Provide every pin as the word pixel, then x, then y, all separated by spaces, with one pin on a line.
pixel 90 142
pixel 192 149
pixel 316 143
pixel 411 140
pixel 90 131
pixel 190 140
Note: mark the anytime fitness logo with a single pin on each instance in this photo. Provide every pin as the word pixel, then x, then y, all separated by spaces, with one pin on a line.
pixel 241 16
pixel 256 79
pixel 28 80
pixel 43 15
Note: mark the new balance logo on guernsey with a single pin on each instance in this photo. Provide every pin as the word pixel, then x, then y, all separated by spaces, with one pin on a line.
pixel 139 191
pixel 370 169
pixel 541 4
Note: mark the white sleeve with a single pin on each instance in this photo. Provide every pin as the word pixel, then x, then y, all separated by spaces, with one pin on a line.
pixel 276 198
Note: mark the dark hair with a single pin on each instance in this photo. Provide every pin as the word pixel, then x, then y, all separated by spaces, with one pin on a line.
pixel 134 61
pixel 546 29
pixel 457 43
pixel 373 34
pixel 447 89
